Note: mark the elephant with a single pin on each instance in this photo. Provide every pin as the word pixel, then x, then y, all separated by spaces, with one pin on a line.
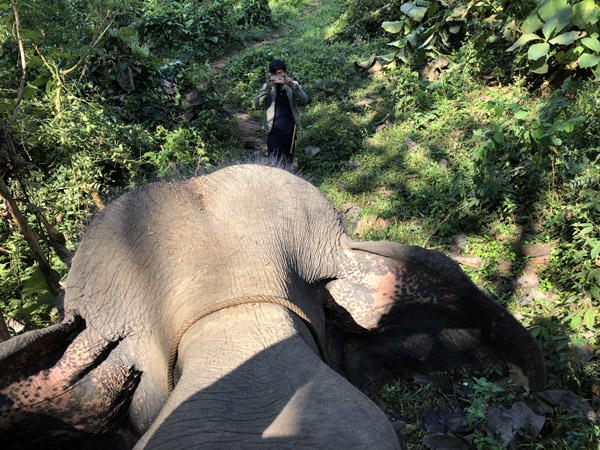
pixel 231 310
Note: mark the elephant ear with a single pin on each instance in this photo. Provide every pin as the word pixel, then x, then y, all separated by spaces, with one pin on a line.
pixel 404 309
pixel 57 384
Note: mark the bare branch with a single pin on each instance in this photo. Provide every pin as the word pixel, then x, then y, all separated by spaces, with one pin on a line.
pixel 56 75
pixel 13 116
pixel 85 55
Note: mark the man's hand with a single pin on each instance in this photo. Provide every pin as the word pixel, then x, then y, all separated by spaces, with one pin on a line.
pixel 288 81
pixel 270 82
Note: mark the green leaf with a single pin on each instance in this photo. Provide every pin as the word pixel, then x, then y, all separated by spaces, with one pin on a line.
pixel 595 251
pixel 46 299
pixel 588 319
pixel 564 17
pixel 429 32
pixel 416 13
pixel 569 127
pixel 31 35
pixel 549 8
pixel 6 107
pixel 389 57
pixel 401 56
pixel 531 24
pixel 36 282
pixel 592 43
pixel 585 13
pixel 393 27
pixel 427 42
pixel 538 51
pixel 40 81
pixel 549 27
pixel 588 60
pixel 522 41
pixel 498 135
pixel 566 38
pixel 34 61
pixel 454 29
pixel 412 38
pixel 460 12
pixel 522 115
pixel 537 133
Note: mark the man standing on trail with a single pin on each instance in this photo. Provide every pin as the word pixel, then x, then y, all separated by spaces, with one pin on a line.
pixel 279 98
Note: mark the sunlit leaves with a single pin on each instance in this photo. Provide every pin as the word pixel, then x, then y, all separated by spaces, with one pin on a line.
pixel 393 27
pixel 522 41
pixel 557 22
pixel 566 38
pixel 561 26
pixel 416 13
pixel 589 60
pixel 585 13
pixel 591 43
pixel 532 23
pixel 549 8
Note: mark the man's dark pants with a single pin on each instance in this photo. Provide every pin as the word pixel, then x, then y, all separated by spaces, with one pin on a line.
pixel 281 147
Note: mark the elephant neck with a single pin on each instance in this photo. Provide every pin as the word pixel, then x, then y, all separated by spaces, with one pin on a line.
pixel 248 376
pixel 230 303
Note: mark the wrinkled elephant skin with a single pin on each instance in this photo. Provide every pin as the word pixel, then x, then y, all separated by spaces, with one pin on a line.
pixel 250 375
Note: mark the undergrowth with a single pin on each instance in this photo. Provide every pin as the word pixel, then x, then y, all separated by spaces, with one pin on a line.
pixel 484 150
pixel 488 150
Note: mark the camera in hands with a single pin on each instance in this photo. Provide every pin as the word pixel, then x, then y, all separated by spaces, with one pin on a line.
pixel 277 79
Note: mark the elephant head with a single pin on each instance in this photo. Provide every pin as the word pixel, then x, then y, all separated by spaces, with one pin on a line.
pixel 404 310
pixel 247 374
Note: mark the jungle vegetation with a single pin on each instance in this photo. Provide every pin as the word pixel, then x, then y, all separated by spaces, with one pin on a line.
pixel 472 127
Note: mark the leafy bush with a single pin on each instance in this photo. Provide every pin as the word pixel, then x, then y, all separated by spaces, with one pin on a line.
pixel 569 33
pixel 361 19
pixel 253 13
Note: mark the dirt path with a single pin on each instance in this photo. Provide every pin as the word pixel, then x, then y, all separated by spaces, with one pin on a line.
pixel 248 129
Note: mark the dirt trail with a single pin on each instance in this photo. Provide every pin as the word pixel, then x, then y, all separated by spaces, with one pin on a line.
pixel 248 129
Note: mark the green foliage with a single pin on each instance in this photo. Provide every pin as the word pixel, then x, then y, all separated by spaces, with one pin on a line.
pixel 361 19
pixel 254 12
pixel 102 112
pixel 428 27
pixel 517 157
pixel 37 304
pixel 482 394
pixel 569 31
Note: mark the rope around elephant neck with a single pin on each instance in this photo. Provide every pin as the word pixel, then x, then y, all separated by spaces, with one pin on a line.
pixel 228 304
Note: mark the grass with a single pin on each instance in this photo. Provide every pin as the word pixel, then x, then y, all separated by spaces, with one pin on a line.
pixel 439 189
pixel 502 164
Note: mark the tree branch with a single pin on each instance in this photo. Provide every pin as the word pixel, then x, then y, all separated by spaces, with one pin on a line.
pixel 13 116
pixel 30 237
pixel 85 55
pixel 58 77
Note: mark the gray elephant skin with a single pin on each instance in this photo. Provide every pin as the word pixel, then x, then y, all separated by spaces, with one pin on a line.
pixel 249 375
